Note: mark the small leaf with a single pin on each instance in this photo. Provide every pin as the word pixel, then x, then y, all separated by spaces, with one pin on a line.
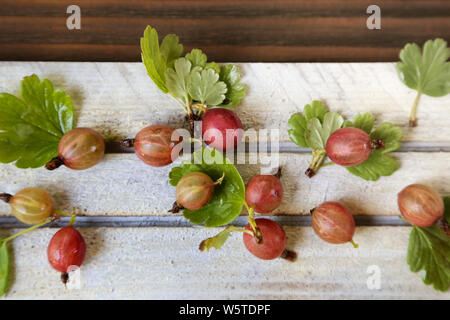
pixel 177 173
pixel 214 66
pixel 297 133
pixel 428 250
pixel 217 241
pixel 177 80
pixel 362 121
pixel 4 267
pixel 229 196
pixel 205 87
pixel 230 75
pixel 316 109
pixel 318 133
pixel 390 135
pixel 197 58
pixel 429 72
pixel 378 164
pixel 157 59
pixel 30 129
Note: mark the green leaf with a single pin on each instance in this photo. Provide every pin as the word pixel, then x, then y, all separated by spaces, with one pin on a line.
pixel 316 109
pixel 318 133
pixel 390 135
pixel 299 122
pixel 217 241
pixel 158 59
pixel 429 72
pixel 205 87
pixel 362 121
pixel 428 250
pixel 177 80
pixel 197 58
pixel 230 75
pixel 297 133
pixel 378 164
pixel 447 209
pixel 30 129
pixel 214 66
pixel 229 196
pixel 4 267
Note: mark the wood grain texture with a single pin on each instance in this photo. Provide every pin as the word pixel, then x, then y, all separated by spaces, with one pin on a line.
pixel 160 263
pixel 287 30
pixel 120 99
pixel 122 185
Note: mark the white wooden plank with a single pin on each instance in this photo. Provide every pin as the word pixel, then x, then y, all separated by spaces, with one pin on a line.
pixel 159 263
pixel 120 99
pixel 123 185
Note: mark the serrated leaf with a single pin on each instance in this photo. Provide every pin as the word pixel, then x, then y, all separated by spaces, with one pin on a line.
pixel 177 173
pixel 318 133
pixel 378 164
pixel 4 267
pixel 157 60
pixel 30 129
pixel 231 76
pixel 428 250
pixel 197 58
pixel 205 87
pixel 229 196
pixel 447 209
pixel 390 135
pixel 217 241
pixel 316 109
pixel 362 121
pixel 426 72
pixel 177 79
pixel 297 133
pixel 214 66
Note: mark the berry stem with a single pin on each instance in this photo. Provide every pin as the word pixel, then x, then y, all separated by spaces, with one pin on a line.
pixel 326 164
pixel 6 197
pixel 175 208
pixel 251 220
pixel 318 156
pixel 27 230
pixel 355 245
pixel 278 174
pixel 289 255
pixel 55 163
pixel 127 143
pixel 377 144
pixel 412 117
pixel 219 181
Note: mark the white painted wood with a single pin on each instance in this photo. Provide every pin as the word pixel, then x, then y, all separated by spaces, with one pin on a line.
pixel 123 185
pixel 120 99
pixel 160 263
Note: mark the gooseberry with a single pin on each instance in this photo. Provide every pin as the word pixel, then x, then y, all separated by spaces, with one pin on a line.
pixel 333 223
pixel 66 250
pixel 221 129
pixel 30 205
pixel 264 193
pixel 350 146
pixel 79 149
pixel 194 190
pixel 420 205
pixel 273 242
pixel 155 145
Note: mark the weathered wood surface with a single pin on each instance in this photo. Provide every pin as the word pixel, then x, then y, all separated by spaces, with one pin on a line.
pixel 235 30
pixel 161 263
pixel 119 98
pixel 123 185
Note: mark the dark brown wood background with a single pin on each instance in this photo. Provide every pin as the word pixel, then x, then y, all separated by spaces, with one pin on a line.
pixel 229 30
